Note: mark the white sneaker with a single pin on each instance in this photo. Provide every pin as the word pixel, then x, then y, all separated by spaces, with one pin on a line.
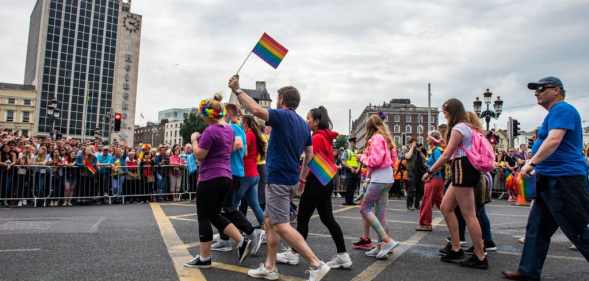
pixel 319 273
pixel 256 238
pixel 373 252
pixel 222 246
pixel 386 249
pixel 263 272
pixel 342 260
pixel 19 203
pixel 288 257
pixel 216 237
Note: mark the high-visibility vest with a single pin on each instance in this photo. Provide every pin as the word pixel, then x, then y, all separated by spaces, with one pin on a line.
pixel 351 159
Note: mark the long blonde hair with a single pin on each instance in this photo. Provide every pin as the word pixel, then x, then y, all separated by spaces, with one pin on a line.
pixel 374 125
pixel 474 121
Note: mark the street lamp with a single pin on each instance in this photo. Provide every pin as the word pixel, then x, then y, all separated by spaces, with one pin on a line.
pixel 487 114
pixel 53 114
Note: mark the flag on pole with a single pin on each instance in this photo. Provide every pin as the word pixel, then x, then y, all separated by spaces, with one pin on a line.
pixel 322 169
pixel 270 51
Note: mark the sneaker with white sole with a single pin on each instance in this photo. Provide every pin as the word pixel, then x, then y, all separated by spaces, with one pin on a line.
pixel 216 237
pixel 244 249
pixel 222 246
pixel 342 260
pixel 318 273
pixel 197 262
pixel 288 257
pixel 256 238
pixel 386 249
pixel 373 252
pixel 263 272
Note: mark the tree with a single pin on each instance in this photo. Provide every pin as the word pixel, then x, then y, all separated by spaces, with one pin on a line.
pixel 192 123
pixel 340 141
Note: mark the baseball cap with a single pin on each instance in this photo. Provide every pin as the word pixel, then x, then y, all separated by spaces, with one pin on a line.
pixel 546 81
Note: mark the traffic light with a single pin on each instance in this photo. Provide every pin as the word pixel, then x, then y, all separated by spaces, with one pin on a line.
pixel 515 128
pixel 118 118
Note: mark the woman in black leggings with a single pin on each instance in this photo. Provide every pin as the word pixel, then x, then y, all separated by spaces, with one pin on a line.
pixel 317 196
pixel 213 151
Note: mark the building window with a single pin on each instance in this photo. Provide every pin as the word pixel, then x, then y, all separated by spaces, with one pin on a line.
pixel 27 102
pixel 408 118
pixel 398 140
pixel 396 128
pixel 24 133
pixel 420 119
pixel 420 129
pixel 11 100
pixel 9 116
pixel 396 118
pixel 26 117
pixel 408 129
pixel 420 139
pixel 407 139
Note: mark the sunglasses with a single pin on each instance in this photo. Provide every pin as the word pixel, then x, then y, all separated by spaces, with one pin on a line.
pixel 542 89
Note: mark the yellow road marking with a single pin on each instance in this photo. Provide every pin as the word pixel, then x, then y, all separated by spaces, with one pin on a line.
pixel 176 248
pixel 378 267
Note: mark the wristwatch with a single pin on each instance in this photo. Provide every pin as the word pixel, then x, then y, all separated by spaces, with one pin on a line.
pixel 237 92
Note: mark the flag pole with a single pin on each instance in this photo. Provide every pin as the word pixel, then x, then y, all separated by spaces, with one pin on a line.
pixel 243 63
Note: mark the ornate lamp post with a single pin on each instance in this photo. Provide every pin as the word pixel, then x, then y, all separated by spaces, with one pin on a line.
pixel 487 114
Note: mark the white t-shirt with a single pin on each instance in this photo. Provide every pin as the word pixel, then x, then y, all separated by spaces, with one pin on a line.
pixel 466 133
pixel 382 175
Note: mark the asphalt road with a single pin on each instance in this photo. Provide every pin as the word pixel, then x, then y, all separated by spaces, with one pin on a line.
pixel 150 242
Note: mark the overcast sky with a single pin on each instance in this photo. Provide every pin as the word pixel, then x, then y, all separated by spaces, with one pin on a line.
pixel 347 54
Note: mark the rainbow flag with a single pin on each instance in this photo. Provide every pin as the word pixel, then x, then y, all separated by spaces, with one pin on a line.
pixel 270 51
pixel 322 169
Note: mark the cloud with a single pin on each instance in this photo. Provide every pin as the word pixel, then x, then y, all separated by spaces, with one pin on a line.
pixel 346 54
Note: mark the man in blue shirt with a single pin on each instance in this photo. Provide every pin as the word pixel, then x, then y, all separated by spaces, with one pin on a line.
pixel 562 189
pixel 104 162
pixel 290 137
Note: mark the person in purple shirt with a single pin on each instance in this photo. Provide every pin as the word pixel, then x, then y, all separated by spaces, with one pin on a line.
pixel 213 150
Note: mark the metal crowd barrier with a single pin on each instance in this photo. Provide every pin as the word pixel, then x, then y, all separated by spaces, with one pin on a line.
pixel 53 185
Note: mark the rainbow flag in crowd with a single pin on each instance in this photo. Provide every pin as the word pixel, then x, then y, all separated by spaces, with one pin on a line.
pixel 323 170
pixel 89 166
pixel 270 51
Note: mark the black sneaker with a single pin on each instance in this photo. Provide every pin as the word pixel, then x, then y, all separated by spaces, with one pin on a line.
pixel 198 263
pixel 446 249
pixel 490 246
pixel 244 250
pixel 471 250
pixel 453 257
pixel 474 262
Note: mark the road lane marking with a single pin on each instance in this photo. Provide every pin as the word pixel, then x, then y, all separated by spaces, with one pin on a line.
pixel 243 270
pixel 176 248
pixel 20 250
pixel 378 267
pixel 94 227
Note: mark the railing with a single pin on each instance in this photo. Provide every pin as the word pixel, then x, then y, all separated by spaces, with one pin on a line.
pixel 52 185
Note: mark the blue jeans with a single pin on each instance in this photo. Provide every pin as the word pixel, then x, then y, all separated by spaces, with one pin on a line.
pixel 248 189
pixel 560 202
pixel 117 184
pixel 485 223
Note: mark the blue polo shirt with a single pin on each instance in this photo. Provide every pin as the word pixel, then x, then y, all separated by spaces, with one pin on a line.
pixel 568 158
pixel 288 139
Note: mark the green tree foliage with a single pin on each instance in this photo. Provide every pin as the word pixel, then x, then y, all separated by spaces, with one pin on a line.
pixel 192 123
pixel 340 141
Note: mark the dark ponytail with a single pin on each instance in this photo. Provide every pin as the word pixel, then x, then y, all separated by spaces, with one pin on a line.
pixel 252 125
pixel 320 115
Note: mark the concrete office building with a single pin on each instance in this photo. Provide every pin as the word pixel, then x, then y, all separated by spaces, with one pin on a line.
pixel 85 55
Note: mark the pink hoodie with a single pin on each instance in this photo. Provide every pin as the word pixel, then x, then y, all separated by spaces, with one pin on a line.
pixel 376 155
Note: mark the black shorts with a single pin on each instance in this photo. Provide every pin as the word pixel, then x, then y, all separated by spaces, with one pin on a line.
pixel 464 174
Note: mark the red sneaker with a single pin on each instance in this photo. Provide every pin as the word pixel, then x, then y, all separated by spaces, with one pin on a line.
pixel 363 244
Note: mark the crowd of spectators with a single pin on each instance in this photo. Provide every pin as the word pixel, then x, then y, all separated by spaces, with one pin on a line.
pixel 57 170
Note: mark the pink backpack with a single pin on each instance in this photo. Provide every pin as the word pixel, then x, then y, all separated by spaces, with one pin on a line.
pixel 480 155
